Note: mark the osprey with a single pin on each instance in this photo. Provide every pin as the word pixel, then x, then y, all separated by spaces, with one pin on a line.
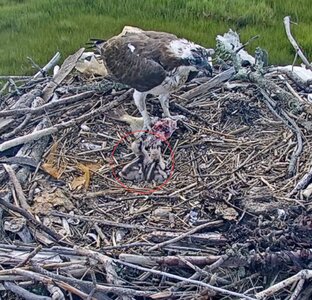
pixel 152 62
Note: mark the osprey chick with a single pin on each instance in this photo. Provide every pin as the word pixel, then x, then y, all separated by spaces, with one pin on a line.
pixel 151 62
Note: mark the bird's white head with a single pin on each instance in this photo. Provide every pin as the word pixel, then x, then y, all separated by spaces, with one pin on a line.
pixel 192 54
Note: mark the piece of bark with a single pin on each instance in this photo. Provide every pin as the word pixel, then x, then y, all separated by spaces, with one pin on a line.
pixel 294 43
pixel 67 66
pixel 215 81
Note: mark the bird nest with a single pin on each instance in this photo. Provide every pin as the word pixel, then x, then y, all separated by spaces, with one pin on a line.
pixel 233 218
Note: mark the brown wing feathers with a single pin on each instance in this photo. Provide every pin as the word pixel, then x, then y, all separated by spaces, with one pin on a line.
pixel 138 72
pixel 139 59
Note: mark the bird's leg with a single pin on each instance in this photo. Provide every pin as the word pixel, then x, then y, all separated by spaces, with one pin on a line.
pixel 139 100
pixel 164 102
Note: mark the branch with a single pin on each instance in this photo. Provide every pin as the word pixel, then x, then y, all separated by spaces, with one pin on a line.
pixel 14 288
pixel 294 43
pixel 17 186
pixel 53 61
pixel 45 107
pixel 36 135
pixel 304 274
pixel 53 129
pixel 183 235
pixel 180 278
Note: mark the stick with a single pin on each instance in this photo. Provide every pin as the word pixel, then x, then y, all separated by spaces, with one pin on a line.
pixel 17 186
pixel 294 43
pixel 53 61
pixel 19 128
pixel 29 257
pixel 298 290
pixel 6 77
pixel 14 288
pixel 108 223
pixel 53 129
pixel 302 183
pixel 36 135
pixel 87 286
pixel 183 235
pixel 47 280
pixel 109 266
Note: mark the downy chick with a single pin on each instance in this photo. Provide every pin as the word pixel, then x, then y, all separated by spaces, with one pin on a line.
pixel 156 169
pixel 134 171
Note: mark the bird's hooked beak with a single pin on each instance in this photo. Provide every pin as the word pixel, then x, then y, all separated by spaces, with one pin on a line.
pixel 201 58
pixel 206 68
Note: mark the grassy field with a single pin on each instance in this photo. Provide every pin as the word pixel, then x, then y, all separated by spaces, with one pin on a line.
pixel 39 28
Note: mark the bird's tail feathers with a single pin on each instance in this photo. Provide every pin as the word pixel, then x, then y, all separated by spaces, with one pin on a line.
pixel 95 44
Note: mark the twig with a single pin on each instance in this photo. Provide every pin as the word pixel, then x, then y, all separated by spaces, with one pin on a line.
pixel 294 43
pixel 47 280
pixel 29 257
pixel 247 43
pixel 107 262
pixel 87 286
pixel 4 88
pixel 19 128
pixel 35 65
pixel 207 268
pixel 108 223
pixel 7 77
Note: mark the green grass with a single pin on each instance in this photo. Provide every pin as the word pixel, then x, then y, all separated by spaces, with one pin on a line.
pixel 39 28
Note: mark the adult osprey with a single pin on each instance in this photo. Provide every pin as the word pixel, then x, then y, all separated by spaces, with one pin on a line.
pixel 151 62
